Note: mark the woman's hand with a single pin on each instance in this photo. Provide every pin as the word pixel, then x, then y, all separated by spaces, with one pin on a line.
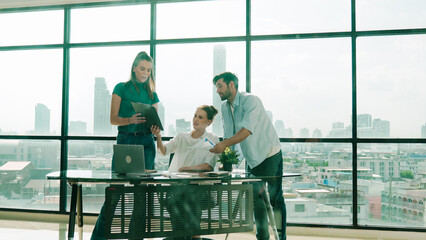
pixel 156 131
pixel 184 169
pixel 136 119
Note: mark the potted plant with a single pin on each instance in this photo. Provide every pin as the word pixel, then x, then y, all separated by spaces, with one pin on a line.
pixel 227 158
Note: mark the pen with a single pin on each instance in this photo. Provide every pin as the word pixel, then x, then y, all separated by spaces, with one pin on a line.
pixel 207 140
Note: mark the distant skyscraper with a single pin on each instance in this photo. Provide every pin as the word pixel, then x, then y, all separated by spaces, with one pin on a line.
pixel 423 131
pixel 279 127
pixel 172 130
pixel 78 128
pixel 102 108
pixel 182 126
pixel 338 125
pixel 338 130
pixel 288 132
pixel 219 66
pixel 317 133
pixel 42 119
pixel 161 114
pixel 364 120
pixel 304 133
pixel 381 128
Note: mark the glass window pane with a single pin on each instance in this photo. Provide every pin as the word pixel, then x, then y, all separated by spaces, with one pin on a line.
pixel 124 23
pixel 90 155
pixel 201 19
pixel 32 92
pixel 323 194
pixel 30 28
pixel 395 14
pixel 394 191
pixel 185 80
pixel 306 85
pixel 91 87
pixel 23 168
pixel 302 16
pixel 390 76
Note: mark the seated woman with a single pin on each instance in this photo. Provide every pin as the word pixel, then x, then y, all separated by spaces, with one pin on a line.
pixel 191 153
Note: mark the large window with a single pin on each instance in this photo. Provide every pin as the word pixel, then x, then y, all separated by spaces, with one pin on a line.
pixel 395 14
pixel 32 92
pixel 317 73
pixel 23 168
pixel 302 16
pixel 343 82
pixel 105 24
pixel 27 28
pixel 323 195
pixel 201 19
pixel 393 192
pixel 390 86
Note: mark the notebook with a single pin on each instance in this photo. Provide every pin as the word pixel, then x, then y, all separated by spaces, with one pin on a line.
pixel 129 159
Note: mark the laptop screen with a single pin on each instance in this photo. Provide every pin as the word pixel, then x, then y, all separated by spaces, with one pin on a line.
pixel 128 159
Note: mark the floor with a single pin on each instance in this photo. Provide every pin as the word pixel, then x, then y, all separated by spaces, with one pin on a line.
pixel 20 230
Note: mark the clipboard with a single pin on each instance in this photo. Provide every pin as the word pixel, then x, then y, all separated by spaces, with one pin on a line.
pixel 150 114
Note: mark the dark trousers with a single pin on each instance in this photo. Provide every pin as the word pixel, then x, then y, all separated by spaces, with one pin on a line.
pixel 272 166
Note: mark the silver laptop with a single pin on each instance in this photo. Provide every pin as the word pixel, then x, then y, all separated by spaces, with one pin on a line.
pixel 129 159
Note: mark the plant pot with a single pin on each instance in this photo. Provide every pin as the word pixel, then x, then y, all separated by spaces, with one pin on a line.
pixel 227 167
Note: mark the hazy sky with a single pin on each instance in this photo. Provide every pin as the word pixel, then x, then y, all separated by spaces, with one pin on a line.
pixel 305 83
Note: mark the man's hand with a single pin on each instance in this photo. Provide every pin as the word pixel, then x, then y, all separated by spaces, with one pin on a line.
pixel 218 148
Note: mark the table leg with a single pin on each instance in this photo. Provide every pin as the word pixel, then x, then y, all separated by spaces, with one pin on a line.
pixel 80 206
pixel 270 213
pixel 71 222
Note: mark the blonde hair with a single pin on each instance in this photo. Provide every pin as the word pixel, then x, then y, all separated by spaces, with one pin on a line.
pixel 150 87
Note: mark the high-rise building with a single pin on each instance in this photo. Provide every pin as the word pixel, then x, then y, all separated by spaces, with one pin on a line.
pixel 161 114
pixel 288 132
pixel 338 130
pixel 279 127
pixel 337 125
pixel 381 127
pixel 317 133
pixel 423 131
pixel 42 119
pixel 219 66
pixel 102 108
pixel 78 128
pixel 182 126
pixel 304 133
pixel 172 130
pixel 364 120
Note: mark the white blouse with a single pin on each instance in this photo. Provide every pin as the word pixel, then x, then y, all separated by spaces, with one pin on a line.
pixel 191 151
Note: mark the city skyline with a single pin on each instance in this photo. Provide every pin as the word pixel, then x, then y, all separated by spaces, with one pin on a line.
pixel 367 126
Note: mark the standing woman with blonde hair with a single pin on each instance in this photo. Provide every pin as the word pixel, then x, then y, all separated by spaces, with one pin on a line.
pixel 131 130
pixel 140 88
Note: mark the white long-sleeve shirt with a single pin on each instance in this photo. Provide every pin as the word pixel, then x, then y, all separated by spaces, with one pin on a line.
pixel 191 151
